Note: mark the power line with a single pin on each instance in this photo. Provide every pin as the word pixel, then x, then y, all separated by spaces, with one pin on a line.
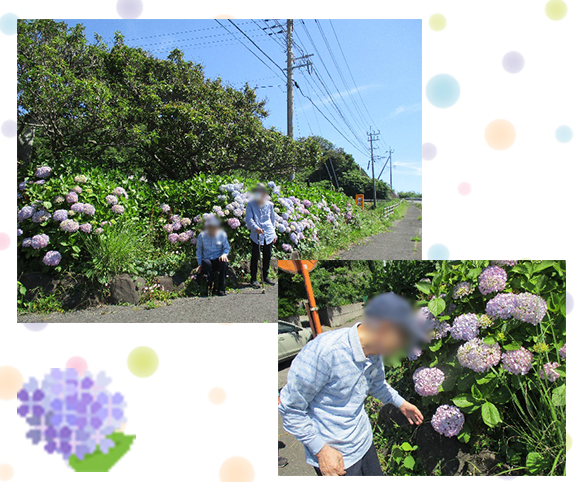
pixel 167 34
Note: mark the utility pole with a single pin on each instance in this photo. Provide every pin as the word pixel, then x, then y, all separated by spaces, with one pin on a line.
pixel 289 42
pixel 372 137
pixel 390 169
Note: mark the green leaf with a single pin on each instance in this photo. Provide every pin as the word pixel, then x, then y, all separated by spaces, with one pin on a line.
pixel 465 435
pixel 465 382
pixel 47 204
pixel 76 249
pixel 512 346
pixel 543 265
pixel 485 379
pixel 406 447
pixel 436 346
pixel 409 462
pixel 424 287
pixel 558 396
pixel 100 462
pixel 489 340
pixel 490 414
pixel 463 400
pixel 536 463
pixel 436 306
pixel 476 393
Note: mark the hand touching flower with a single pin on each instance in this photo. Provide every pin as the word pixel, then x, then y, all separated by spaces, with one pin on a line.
pixel 412 413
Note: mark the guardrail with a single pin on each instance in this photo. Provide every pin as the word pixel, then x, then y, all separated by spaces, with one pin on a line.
pixel 388 210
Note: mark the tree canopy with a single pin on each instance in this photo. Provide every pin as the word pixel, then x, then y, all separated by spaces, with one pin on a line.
pixel 121 107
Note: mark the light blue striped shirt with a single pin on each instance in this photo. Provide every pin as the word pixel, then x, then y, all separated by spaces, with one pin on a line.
pixel 263 217
pixel 323 401
pixel 212 248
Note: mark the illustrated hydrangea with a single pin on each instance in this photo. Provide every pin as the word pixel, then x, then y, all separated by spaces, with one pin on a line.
pixel 52 258
pixel 43 172
pixel 492 279
pixel 71 415
pixel 460 290
pixel 72 197
pixel 563 351
pixel 69 226
pixel 548 372
pixel 60 215
pixel 505 262
pixel 427 381
pixel 40 241
pixel 479 356
pixel 111 199
pixel 448 420
pixel 517 362
pixel 465 327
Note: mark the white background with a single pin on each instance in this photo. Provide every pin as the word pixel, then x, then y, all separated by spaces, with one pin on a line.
pixel 520 206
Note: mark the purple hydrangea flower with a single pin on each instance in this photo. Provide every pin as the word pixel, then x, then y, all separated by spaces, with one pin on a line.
pixel 77 207
pixel 41 216
pixel 69 226
pixel 165 208
pixel 177 226
pixel 98 230
pixel 517 362
pixel 22 186
pixel 439 329
pixel 111 199
pixel 59 199
pixel 60 215
pixel 529 308
pixel 548 372
pixel 427 381
pixel 501 307
pixel 465 288
pixel 563 351
pixel 186 222
pixel 19 232
pixel 168 228
pixel 86 228
pixel 505 262
pixel 71 197
pixel 52 258
pixel 307 203
pixel 287 248
pixel 40 182
pixel 237 213
pixel 448 420
pixel 173 238
pixel 184 237
pixel 414 353
pixel 492 279
pixel 479 356
pixel 26 213
pixel 77 189
pixel 465 327
pixel 234 223
pixel 40 241
pixel 89 209
pixel 26 242
pixel 120 191
pixel 43 172
pixel 117 209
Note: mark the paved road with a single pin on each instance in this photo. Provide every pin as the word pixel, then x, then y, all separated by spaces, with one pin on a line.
pixel 246 306
pixel 289 447
pixel 394 244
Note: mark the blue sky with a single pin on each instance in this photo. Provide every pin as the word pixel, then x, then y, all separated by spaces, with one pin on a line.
pixel 384 57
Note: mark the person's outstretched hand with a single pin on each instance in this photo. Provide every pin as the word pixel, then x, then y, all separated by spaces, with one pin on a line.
pixel 330 461
pixel 412 413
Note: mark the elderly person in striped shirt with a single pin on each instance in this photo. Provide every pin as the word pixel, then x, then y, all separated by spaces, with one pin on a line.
pixel 212 249
pixel 322 404
pixel 261 221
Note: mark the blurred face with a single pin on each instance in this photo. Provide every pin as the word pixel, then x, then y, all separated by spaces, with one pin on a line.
pixel 259 196
pixel 384 337
pixel 212 230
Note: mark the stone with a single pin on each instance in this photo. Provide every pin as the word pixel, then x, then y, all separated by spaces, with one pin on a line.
pixel 167 282
pixel 124 288
pixel 274 264
pixel 34 282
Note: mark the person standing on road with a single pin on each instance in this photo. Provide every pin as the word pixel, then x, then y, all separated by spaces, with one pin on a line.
pixel 261 221
pixel 322 404
pixel 212 249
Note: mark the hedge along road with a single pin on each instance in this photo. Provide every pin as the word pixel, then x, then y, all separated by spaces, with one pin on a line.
pixel 403 241
pixel 245 306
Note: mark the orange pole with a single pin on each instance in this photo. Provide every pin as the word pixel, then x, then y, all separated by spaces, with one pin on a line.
pixel 316 326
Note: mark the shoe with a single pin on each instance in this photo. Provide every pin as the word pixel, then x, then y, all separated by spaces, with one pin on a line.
pixel 255 284
pixel 221 293
pixel 269 282
pixel 282 462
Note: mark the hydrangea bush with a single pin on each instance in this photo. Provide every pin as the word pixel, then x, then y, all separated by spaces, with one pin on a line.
pixel 495 363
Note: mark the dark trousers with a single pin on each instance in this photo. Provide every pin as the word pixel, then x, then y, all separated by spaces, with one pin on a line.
pixel 267 255
pixel 211 265
pixel 368 465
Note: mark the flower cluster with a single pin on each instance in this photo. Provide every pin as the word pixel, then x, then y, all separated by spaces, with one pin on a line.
pixel 448 420
pixel 427 381
pixel 69 226
pixel 525 307
pixel 71 414
pixel 465 327
pixel 548 372
pixel 52 258
pixel 484 321
pixel 505 263
pixel 43 172
pixel 563 351
pixel 460 290
pixel 414 353
pixel 517 362
pixel 438 329
pixel 492 279
pixel 478 356
pixel 39 241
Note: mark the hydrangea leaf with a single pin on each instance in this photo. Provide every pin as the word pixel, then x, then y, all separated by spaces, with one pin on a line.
pixel 463 400
pixel 409 462
pixel 436 306
pixel 100 462
pixel 490 414
pixel 558 396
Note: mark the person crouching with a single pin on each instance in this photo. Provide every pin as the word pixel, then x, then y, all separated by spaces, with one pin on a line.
pixel 212 249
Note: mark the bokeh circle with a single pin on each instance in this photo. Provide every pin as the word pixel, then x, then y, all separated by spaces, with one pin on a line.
pixel 6 472
pixel 442 91
pixel 437 22
pixel 78 364
pixel 129 8
pixel 217 395
pixel 11 382
pixel 500 134
pixel 564 134
pixel 464 188
pixel 8 23
pixel 9 128
pixel 4 241
pixel 513 62
pixel 438 251
pixel 35 326
pixel 143 361
pixel 428 151
pixel 237 469
pixel 556 9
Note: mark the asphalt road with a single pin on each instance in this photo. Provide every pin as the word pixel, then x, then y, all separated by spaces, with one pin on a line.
pixel 246 306
pixel 394 244
pixel 289 447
